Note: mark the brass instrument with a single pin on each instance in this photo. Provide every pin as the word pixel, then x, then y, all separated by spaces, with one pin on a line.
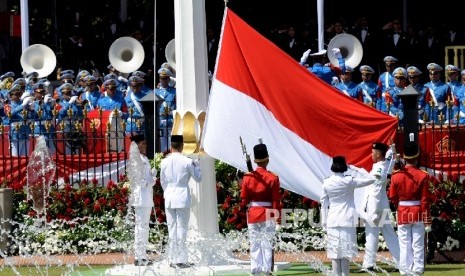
pixel 126 54
pixel 38 58
pixel 351 50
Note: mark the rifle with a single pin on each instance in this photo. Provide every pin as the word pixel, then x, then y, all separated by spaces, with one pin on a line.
pixel 247 156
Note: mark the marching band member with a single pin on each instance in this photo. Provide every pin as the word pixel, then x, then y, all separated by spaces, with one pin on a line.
pixel 92 93
pixel 414 78
pixel 369 88
pixel 325 71
pixel 135 123
pixel 168 94
pixel 348 87
pixel 70 111
pixel 19 121
pixel 43 115
pixel 437 94
pixel 386 83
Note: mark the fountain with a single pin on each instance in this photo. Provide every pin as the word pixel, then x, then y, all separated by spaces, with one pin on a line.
pixel 46 245
pixel 40 174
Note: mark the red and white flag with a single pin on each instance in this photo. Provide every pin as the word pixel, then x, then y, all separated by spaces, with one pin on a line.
pixel 258 91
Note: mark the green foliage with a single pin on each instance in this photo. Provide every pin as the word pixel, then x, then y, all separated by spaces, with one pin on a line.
pixel 87 218
pixel 447 198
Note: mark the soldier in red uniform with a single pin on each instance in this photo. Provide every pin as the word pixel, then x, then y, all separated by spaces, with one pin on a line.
pixel 261 190
pixel 409 191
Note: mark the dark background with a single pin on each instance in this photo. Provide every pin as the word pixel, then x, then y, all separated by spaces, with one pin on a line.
pixel 52 21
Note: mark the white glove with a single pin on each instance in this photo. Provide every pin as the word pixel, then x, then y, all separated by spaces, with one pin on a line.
pixel 47 98
pixel 428 229
pixel 25 95
pixel 335 80
pixel 154 171
pixel 304 57
pixel 120 78
pixel 461 114
pixel 73 99
pixel 390 151
pixel 26 101
pixel 337 52
pixel 357 172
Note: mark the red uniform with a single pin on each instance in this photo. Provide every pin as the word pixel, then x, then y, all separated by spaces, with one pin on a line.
pixel 409 191
pixel 261 186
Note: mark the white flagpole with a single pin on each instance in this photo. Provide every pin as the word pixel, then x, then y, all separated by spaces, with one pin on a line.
pixel 24 6
pixel 321 25
pixel 154 49
pixel 192 95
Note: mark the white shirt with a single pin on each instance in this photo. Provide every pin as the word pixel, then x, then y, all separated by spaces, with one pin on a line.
pixel 338 195
pixel 176 170
pixel 143 189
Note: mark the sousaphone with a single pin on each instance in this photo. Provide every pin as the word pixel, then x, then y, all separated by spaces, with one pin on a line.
pixel 170 53
pixel 126 54
pixel 38 58
pixel 351 50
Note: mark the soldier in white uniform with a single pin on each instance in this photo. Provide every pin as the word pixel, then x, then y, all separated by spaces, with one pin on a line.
pixel 142 197
pixel 176 170
pixel 377 210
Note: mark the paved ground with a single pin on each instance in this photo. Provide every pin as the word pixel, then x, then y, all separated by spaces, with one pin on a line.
pixel 121 258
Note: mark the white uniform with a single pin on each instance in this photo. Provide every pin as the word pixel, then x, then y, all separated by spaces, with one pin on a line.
pixel 176 170
pixel 341 218
pixel 142 198
pixel 377 217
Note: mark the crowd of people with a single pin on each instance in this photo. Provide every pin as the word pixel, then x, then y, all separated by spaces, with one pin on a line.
pixel 31 101
pixel 415 46
pixel 439 102
pixel 392 59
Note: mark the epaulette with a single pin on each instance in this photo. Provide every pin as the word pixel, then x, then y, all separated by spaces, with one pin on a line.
pixel 248 173
pixel 424 171
pixel 273 173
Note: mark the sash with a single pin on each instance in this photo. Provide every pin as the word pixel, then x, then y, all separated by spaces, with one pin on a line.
pixel 433 97
pixel 452 88
pixel 367 95
pixel 137 104
pixel 88 100
pixel 386 80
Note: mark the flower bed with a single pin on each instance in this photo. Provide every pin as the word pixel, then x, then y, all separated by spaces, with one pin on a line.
pixel 86 218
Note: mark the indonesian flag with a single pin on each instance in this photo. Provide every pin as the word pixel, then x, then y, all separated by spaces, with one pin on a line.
pixel 258 91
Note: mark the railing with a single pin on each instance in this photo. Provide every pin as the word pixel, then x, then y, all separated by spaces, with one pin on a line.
pixel 442 148
pixel 93 147
pixel 455 55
